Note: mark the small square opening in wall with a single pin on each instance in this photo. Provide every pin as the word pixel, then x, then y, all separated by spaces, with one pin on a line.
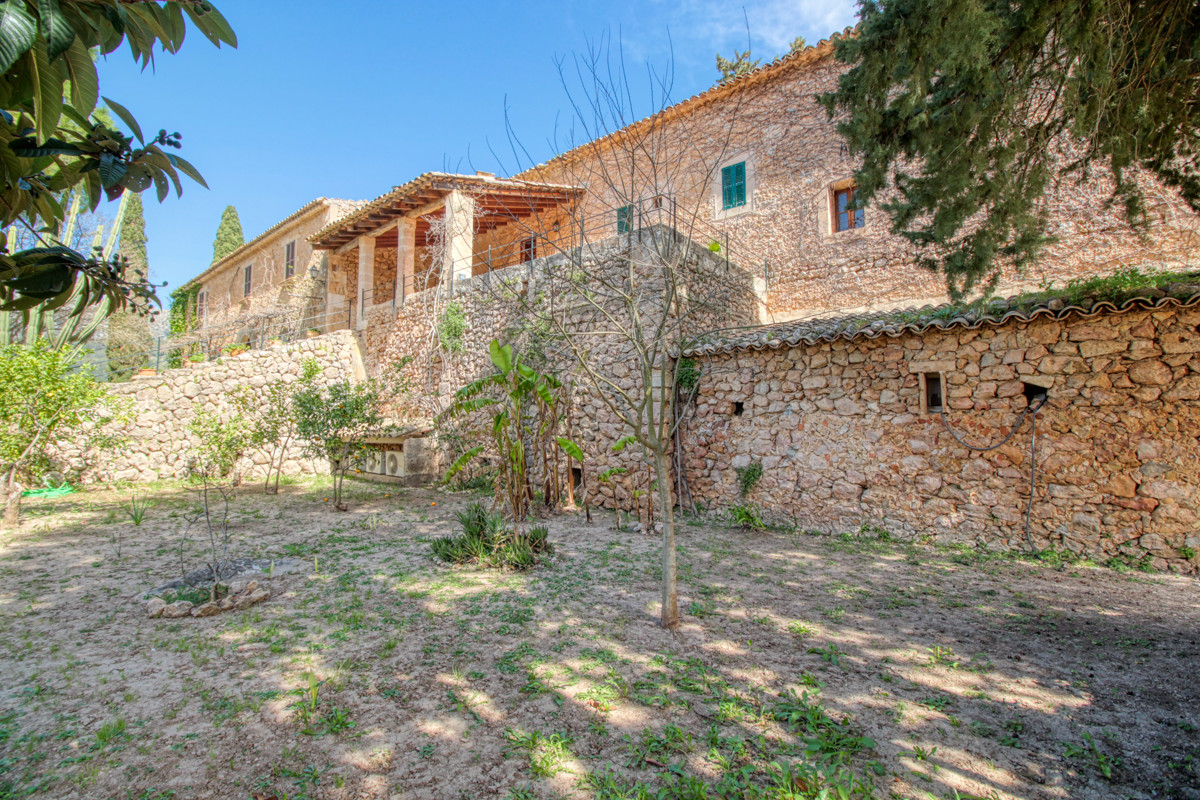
pixel 933 392
pixel 1035 395
pixel 739 408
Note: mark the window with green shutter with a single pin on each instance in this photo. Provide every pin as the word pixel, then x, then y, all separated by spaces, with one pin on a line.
pixel 624 215
pixel 733 185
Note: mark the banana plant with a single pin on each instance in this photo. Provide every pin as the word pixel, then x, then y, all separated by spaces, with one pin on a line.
pixel 523 406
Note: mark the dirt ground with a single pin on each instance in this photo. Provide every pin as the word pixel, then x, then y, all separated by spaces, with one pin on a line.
pixel 882 668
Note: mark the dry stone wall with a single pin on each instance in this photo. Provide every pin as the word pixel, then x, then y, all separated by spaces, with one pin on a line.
pixel 497 307
pixel 157 445
pixel 845 438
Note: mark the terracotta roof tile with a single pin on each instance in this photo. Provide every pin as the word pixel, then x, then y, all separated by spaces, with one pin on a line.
pixel 1184 292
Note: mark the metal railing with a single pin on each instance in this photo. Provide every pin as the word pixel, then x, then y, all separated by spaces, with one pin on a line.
pixel 532 245
pixel 209 343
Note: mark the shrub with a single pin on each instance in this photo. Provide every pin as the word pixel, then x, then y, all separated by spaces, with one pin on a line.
pixel 487 540
pixel 452 327
pixel 748 477
pixel 747 517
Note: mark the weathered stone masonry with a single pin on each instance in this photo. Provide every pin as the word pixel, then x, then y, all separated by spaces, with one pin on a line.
pixel 157 444
pixel 844 436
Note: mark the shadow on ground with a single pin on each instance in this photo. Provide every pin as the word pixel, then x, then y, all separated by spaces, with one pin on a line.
pixel 878 667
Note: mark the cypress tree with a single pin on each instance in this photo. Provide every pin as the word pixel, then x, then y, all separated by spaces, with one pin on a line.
pixel 129 339
pixel 229 234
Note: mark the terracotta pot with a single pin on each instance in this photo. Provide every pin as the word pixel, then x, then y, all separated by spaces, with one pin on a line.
pixel 146 372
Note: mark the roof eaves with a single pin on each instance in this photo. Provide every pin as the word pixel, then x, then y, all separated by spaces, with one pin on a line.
pixel 945 317
pixel 305 209
pixel 422 181
pixel 813 54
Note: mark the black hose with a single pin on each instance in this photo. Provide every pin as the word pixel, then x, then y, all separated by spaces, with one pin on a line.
pixel 1031 411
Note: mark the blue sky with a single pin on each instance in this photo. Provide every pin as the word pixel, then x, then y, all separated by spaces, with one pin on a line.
pixel 349 99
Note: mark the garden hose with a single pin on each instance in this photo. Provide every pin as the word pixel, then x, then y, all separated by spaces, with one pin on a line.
pixel 49 491
pixel 1030 411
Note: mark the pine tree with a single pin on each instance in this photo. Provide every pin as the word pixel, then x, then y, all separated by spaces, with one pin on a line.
pixel 229 234
pixel 129 339
pixel 967 112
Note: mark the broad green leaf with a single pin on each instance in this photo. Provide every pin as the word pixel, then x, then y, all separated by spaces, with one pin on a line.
pixel 85 86
pixel 55 27
pixel 502 357
pixel 570 448
pixel 161 187
pixel 28 147
pixel 111 171
pixel 47 91
pixel 184 166
pixel 17 32
pixel 138 179
pixel 214 26
pixel 623 442
pixel 122 112
pixel 462 462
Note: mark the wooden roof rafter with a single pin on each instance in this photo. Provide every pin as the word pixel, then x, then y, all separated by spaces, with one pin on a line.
pixel 498 200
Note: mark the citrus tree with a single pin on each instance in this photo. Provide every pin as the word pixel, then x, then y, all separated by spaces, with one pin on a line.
pixel 43 397
pixel 334 422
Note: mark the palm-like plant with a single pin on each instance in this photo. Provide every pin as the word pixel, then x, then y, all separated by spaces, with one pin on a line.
pixel 525 409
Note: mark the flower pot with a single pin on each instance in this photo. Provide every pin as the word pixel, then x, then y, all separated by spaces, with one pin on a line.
pixel 146 372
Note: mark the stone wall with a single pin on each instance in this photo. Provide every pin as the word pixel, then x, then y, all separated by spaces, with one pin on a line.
pixel 794 157
pixel 499 307
pixel 157 445
pixel 845 438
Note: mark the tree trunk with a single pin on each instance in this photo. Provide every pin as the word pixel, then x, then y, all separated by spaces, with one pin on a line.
pixel 12 503
pixel 670 590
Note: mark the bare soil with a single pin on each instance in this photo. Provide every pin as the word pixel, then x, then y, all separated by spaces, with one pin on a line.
pixel 891 669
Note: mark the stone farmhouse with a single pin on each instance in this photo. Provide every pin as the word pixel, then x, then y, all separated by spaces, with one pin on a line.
pixel 274 279
pixel 827 362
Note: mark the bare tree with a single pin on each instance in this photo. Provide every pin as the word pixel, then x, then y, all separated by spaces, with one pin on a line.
pixel 634 271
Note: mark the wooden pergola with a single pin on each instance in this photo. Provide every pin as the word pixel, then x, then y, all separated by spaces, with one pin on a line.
pixel 468 205
pixel 497 201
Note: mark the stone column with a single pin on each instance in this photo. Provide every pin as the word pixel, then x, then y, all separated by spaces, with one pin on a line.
pixel 406 253
pixel 366 277
pixel 460 237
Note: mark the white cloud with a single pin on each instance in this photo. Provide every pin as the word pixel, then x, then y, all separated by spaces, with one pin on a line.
pixel 773 23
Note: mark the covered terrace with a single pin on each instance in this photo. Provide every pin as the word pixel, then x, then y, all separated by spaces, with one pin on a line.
pixel 437 229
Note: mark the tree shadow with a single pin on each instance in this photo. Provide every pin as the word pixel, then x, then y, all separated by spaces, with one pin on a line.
pixel 557 682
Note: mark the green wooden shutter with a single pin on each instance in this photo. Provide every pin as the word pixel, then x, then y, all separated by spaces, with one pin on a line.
pixel 623 215
pixel 733 185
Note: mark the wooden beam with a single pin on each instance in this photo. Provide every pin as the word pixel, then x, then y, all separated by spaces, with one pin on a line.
pixel 347 247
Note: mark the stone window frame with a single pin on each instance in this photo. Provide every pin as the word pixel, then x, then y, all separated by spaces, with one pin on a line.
pixel 923 368
pixel 718 201
pixel 834 215
pixel 529 249
pixel 827 221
